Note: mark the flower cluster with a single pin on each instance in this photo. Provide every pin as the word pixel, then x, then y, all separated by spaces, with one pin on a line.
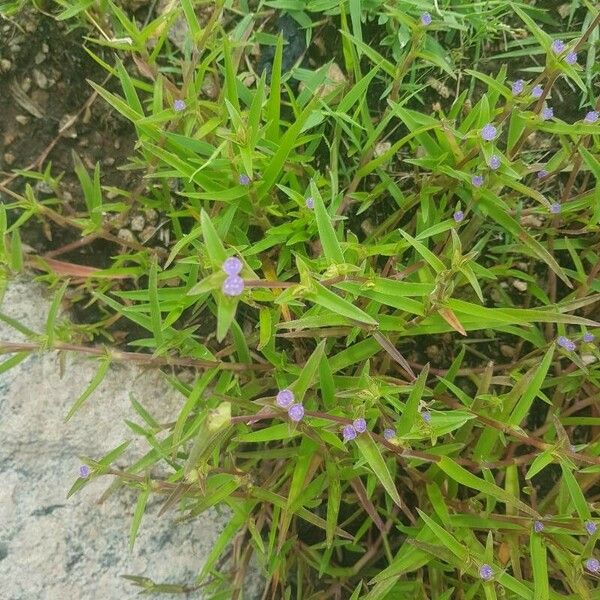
pixel 590 527
pixel 349 432
pixel 179 105
pixel 234 285
pixel 285 399
pixel 592 565
pixel 565 343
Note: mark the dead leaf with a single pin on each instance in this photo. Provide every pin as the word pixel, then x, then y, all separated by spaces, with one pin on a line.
pixel 448 315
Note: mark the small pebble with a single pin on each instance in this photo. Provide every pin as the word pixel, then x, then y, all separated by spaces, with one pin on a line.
pixel 137 223
pixel 126 235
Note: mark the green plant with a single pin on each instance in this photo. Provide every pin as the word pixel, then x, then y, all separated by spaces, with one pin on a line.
pixel 372 233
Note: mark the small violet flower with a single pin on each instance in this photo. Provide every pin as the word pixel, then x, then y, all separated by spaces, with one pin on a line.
pixel 571 58
pixel 232 265
pixel 486 572
pixel 542 173
pixel 518 86
pixel 547 113
pixel 84 471
pixel 459 215
pixel 590 527
pixel 348 433
pixel 426 416
pixel 310 202
pixel 592 565
pixel 588 337
pixel 555 208
pixel 538 526
pixel 477 180
pixel 233 286
pixel 285 398
pixel 426 19
pixel 360 425
pixel 179 105
pixel 565 343
pixel 494 162
pixel 558 46
pixel 591 117
pixel 489 132
pixel 389 434
pixel 244 179
pixel 296 412
pixel 537 91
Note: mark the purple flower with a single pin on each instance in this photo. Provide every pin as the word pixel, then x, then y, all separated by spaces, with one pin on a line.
pixel 84 471
pixel 179 105
pixel 518 86
pixel 233 286
pixel 477 180
pixel 284 398
pixel 565 343
pixel 310 202
pixel 592 565
pixel 360 425
pixel 232 265
pixel 555 208
pixel 486 572
pixel 547 113
pixel 296 412
pixel 558 46
pixel 348 433
pixel 590 527
pixel 426 416
pixel 588 337
pixel 426 19
pixel 494 162
pixel 244 179
pixel 389 434
pixel 459 215
pixel 591 117
pixel 537 91
pixel 489 132
pixel 538 526
pixel 542 173
pixel 571 58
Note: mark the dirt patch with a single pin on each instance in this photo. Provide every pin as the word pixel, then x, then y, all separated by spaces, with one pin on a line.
pixel 43 84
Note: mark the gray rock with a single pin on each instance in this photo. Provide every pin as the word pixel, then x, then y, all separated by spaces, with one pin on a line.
pixel 52 548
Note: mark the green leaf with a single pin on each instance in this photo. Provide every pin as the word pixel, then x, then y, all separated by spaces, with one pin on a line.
pixel 13 361
pixel 531 391
pixel 192 19
pixel 371 453
pixel 334 495
pixel 281 431
pixel 214 246
pixel 96 381
pixel 331 246
pixel 579 501
pixel 328 299
pixel 464 477
pixel 273 108
pixel 442 535
pixel 411 409
pixel 138 513
pixel 155 317
pixel 539 564
pixel 53 313
pixel 308 373
pixel 428 255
